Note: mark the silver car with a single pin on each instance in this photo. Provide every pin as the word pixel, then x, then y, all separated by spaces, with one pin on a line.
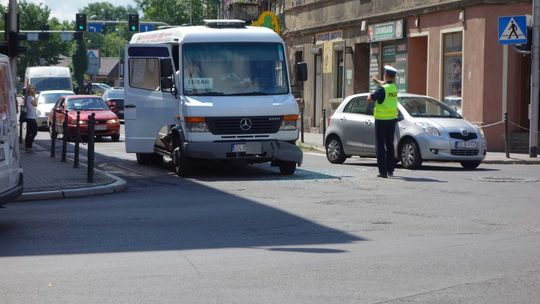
pixel 426 130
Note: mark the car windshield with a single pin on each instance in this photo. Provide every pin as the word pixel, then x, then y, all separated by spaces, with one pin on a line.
pixel 51 97
pixel 418 106
pixel 51 83
pixel 217 69
pixel 86 104
pixel 116 94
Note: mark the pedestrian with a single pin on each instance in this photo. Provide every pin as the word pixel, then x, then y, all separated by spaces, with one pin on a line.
pixel 30 104
pixel 385 114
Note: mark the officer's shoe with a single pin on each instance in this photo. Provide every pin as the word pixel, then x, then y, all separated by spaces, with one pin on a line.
pixel 382 175
pixel 390 174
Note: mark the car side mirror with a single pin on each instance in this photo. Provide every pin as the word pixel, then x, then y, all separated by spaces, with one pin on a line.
pixel 301 71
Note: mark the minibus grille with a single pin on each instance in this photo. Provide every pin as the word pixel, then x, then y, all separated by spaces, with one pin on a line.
pixel 239 125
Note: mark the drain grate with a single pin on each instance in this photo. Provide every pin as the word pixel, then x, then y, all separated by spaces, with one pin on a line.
pixel 500 179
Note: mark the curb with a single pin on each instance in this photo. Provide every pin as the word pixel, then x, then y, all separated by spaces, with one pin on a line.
pixel 119 185
pixel 509 161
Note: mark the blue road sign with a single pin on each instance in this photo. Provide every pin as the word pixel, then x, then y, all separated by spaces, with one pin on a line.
pixel 95 27
pixel 512 29
pixel 146 27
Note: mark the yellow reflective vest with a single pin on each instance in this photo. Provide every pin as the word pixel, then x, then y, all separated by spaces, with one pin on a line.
pixel 388 108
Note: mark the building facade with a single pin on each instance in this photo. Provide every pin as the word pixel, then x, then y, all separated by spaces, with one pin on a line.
pixel 442 48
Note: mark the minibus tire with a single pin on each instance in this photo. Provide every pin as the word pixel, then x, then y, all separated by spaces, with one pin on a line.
pixel 144 159
pixel 182 164
pixel 287 168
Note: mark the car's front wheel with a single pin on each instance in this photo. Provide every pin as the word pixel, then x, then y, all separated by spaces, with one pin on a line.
pixel 334 150
pixel 410 154
pixel 470 164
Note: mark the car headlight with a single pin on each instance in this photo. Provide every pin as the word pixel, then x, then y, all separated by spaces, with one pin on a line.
pixel 113 121
pixel 429 128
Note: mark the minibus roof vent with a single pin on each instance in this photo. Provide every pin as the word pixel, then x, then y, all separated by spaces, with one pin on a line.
pixel 225 23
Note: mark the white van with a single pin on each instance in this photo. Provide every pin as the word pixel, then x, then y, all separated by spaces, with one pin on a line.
pixel 46 78
pixel 11 175
pixel 218 92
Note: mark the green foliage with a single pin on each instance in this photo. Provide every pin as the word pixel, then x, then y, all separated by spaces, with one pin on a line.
pixel 80 62
pixel 176 12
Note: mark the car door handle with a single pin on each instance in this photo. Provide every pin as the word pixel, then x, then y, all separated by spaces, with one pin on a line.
pixel 368 122
pixel 129 106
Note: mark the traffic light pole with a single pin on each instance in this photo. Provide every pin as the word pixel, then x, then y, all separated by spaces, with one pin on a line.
pixel 535 82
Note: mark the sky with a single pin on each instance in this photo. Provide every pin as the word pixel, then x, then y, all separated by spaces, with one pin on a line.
pixel 66 9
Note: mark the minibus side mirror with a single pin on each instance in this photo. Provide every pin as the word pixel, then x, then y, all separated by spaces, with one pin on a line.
pixel 166 67
pixel 167 76
pixel 301 71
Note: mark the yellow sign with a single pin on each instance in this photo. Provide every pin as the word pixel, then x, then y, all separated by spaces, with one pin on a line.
pixel 269 20
pixel 328 52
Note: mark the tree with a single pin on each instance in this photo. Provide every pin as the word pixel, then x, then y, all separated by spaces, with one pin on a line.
pixel 80 62
pixel 36 17
pixel 176 12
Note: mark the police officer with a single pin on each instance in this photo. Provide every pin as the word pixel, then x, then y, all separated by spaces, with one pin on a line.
pixel 385 115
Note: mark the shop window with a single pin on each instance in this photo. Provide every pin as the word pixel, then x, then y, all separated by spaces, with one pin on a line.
pixel 452 62
pixel 339 75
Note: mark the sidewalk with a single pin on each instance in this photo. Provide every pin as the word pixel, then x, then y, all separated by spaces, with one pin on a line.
pixel 49 178
pixel 314 141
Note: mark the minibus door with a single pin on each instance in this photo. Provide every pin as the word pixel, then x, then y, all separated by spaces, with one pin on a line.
pixel 150 95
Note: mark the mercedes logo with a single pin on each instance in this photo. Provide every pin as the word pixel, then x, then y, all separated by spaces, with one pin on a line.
pixel 245 124
pixel 465 133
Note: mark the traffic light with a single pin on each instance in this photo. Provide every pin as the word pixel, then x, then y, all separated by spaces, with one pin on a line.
pixel 13 47
pixel 133 22
pixel 80 22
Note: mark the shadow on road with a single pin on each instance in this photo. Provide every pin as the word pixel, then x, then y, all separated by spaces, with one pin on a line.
pixel 161 211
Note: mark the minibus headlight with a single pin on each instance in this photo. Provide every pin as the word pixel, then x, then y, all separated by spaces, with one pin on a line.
pixel 196 124
pixel 289 122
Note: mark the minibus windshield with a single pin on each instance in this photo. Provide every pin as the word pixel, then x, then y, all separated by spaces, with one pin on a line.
pixel 239 69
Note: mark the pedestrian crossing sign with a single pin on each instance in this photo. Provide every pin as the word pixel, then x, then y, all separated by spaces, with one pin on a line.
pixel 512 29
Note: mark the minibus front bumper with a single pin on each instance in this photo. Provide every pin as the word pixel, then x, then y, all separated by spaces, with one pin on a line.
pixel 251 151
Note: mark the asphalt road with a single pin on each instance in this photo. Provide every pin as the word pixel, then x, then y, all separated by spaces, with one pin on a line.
pixel 328 234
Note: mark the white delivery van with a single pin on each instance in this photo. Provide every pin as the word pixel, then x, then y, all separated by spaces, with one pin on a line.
pixel 218 92
pixel 46 78
pixel 11 175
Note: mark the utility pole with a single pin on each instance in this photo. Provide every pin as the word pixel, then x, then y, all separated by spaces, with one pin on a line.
pixel 535 82
pixel 12 26
pixel 190 12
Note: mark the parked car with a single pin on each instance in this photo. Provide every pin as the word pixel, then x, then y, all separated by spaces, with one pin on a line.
pixel 426 130
pixel 114 97
pixel 99 88
pixel 46 101
pixel 107 123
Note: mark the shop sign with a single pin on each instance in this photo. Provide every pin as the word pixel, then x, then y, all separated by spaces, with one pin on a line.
pixel 328 58
pixel 329 36
pixel 385 31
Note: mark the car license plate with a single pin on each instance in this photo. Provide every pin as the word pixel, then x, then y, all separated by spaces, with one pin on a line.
pixel 238 148
pixel 466 145
pixel 101 127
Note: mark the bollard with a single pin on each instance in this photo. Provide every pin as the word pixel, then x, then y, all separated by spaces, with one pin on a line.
pixel 302 124
pixel 53 134
pixel 90 155
pixel 64 136
pixel 323 123
pixel 77 141
pixel 20 125
pixel 506 148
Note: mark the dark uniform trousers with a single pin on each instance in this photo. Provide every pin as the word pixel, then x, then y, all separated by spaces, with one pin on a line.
pixel 384 135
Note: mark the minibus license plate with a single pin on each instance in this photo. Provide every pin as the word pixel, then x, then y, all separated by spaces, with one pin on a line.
pixel 466 145
pixel 238 148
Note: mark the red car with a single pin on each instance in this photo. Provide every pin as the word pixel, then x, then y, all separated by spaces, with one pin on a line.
pixel 107 123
